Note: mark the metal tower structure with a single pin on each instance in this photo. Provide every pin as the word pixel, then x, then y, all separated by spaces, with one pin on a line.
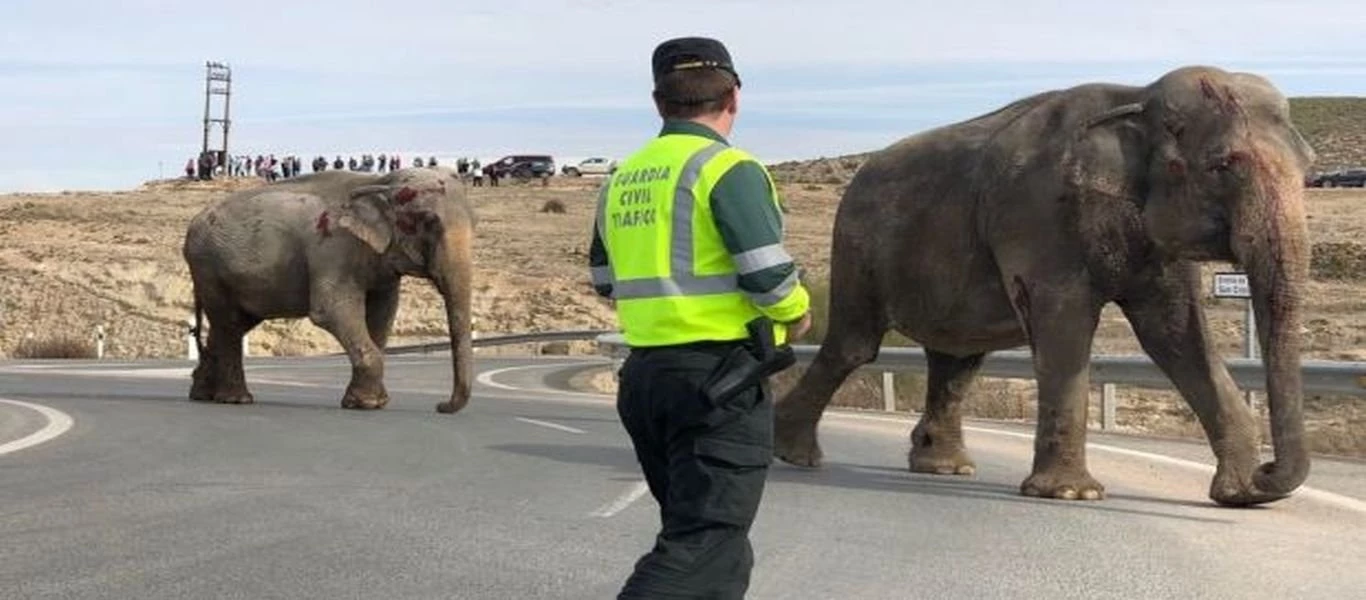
pixel 217 82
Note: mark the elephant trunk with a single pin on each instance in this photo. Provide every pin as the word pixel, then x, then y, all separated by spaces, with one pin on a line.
pixel 450 265
pixel 1270 241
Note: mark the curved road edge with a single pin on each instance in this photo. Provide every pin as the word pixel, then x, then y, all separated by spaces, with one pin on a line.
pixel 58 423
pixel 571 379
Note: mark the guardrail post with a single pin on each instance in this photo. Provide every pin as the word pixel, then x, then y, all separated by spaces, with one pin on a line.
pixel 246 345
pixel 1107 406
pixel 1250 349
pixel 99 341
pixel 888 391
pixel 191 348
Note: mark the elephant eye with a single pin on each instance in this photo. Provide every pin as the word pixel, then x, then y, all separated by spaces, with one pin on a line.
pixel 1174 128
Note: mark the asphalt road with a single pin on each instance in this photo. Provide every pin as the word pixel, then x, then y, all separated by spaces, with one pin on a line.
pixel 534 493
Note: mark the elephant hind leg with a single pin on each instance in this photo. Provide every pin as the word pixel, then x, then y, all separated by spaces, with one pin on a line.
pixel 937 440
pixel 225 355
pixel 857 323
pixel 381 306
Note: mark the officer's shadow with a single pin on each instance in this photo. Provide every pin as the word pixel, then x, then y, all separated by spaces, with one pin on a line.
pixel 866 478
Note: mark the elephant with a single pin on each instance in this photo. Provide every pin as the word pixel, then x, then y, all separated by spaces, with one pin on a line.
pixel 1016 227
pixel 332 247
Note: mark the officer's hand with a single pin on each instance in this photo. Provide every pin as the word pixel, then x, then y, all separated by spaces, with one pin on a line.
pixel 796 330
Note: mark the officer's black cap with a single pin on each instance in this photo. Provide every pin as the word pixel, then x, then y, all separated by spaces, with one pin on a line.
pixel 691 53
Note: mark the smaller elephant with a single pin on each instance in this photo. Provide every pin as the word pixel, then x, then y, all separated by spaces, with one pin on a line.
pixel 332 247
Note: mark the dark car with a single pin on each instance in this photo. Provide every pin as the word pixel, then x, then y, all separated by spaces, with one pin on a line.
pixel 1344 178
pixel 521 166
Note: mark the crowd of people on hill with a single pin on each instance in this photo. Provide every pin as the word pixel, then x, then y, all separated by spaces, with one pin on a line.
pixel 210 165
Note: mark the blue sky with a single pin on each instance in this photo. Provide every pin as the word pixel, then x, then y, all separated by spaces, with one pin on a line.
pixel 106 95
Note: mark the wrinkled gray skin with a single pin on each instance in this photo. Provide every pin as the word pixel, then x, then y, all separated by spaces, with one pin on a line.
pixel 1016 227
pixel 331 247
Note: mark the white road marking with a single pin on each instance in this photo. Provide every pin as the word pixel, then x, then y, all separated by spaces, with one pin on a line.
pixel 549 424
pixel 486 378
pixel 1338 500
pixel 58 423
pixel 635 492
pixel 144 373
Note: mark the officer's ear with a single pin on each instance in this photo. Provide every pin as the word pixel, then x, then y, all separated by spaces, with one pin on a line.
pixel 733 101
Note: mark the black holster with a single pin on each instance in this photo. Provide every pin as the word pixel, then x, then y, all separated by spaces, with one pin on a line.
pixel 748 364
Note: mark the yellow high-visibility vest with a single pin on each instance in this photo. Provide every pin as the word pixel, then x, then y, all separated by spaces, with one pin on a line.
pixel 673 280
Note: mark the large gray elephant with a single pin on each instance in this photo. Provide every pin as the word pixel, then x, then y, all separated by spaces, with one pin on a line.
pixel 1016 227
pixel 331 247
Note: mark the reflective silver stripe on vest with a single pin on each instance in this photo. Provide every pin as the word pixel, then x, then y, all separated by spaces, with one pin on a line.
pixel 683 282
pixel 602 275
pixel 775 295
pixel 763 257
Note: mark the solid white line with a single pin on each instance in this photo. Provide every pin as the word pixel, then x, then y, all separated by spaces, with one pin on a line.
pixel 1338 500
pixel 549 424
pixel 636 491
pixel 58 423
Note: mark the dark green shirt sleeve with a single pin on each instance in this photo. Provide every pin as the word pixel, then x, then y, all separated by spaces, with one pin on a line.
pixel 598 266
pixel 751 228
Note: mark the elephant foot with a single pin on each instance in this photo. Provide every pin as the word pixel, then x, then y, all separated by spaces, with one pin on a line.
pixel 452 406
pixel 1235 487
pixel 1063 484
pixel 794 442
pixel 357 401
pixel 242 397
pixel 938 454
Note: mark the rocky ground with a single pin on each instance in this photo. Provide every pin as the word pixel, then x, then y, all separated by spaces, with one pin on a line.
pixel 71 262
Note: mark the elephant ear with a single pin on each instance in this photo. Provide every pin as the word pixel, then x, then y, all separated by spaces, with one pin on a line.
pixel 1096 159
pixel 365 214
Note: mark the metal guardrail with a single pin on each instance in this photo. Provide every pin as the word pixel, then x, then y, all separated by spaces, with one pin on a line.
pixel 504 340
pixel 1320 377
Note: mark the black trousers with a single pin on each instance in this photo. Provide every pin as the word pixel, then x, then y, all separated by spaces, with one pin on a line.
pixel 705 465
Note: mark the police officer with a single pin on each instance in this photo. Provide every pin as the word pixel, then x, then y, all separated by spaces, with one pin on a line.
pixel 688 245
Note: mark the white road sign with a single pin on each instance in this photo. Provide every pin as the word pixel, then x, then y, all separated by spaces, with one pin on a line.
pixel 1231 285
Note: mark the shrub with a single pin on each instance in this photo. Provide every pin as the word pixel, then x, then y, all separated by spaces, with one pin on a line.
pixel 553 206
pixel 55 346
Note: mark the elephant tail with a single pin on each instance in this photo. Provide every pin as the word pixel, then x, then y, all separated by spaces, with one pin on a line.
pixel 198 329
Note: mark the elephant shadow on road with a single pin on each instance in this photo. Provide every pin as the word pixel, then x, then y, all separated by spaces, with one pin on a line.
pixel 877 479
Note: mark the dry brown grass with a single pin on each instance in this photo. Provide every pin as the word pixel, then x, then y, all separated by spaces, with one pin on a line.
pixel 61 345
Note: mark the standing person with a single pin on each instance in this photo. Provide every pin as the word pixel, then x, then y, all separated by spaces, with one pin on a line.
pixel 696 294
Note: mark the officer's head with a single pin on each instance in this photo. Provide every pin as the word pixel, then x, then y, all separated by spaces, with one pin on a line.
pixel 695 78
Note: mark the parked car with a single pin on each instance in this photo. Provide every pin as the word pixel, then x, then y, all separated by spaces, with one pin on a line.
pixel 591 166
pixel 1343 178
pixel 521 166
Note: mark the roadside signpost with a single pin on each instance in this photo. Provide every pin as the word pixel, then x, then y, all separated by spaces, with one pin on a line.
pixel 1235 285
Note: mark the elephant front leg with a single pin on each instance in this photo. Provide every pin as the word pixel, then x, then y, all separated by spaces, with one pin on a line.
pixel 1060 322
pixel 937 440
pixel 1171 327
pixel 342 313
